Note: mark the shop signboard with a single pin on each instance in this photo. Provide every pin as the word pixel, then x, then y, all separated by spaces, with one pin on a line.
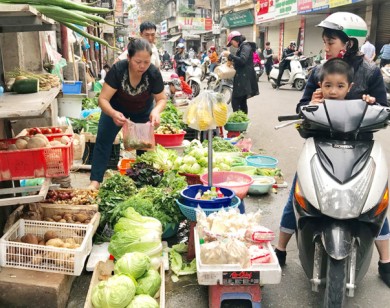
pixel 307 6
pixel 265 10
pixel 336 3
pixel 194 23
pixel 285 8
pixel 164 28
pixel 239 19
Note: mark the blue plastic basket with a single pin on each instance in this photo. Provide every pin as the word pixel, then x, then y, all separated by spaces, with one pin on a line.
pixel 190 212
pixel 71 87
pixel 188 196
pixel 261 161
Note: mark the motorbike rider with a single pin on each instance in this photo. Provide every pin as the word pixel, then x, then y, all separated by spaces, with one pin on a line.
pixel 180 57
pixel 367 80
pixel 166 57
pixel 256 58
pixel 213 56
pixel 284 63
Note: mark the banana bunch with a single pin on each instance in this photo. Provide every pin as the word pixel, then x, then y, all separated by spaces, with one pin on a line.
pixel 220 113
pixel 205 120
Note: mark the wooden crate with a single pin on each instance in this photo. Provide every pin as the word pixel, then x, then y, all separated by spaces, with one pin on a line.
pixel 105 270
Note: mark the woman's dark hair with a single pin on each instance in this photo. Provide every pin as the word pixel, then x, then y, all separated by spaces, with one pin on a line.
pixel 333 34
pixel 239 39
pixel 136 45
pixel 336 66
pixel 106 66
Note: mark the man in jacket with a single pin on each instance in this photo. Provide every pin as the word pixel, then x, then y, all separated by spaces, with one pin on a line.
pixel 180 57
pixel 284 63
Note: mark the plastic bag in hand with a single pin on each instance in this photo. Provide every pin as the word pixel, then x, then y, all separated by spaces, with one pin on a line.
pixel 138 136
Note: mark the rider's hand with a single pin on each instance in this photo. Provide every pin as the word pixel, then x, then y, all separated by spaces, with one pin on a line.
pixel 317 97
pixel 369 99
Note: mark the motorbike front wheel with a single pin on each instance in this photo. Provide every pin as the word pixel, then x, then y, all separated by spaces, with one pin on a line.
pixel 299 84
pixel 195 87
pixel 336 277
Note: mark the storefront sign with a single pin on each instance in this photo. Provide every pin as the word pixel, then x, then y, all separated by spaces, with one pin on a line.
pixel 307 6
pixel 164 28
pixel 239 19
pixel 336 3
pixel 265 10
pixel 194 23
pixel 232 2
pixel 285 8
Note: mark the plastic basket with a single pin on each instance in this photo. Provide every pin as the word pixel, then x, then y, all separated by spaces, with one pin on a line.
pixel 188 196
pixel 169 140
pixel 190 212
pixel 49 162
pixel 71 87
pixel 54 259
pixel 124 164
pixel 238 182
pixel 236 127
pixel 261 161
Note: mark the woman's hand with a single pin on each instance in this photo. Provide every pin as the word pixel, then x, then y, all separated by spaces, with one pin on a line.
pixel 118 118
pixel 154 117
pixel 317 97
pixel 369 99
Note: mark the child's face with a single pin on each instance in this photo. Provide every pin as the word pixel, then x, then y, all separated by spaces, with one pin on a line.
pixel 335 86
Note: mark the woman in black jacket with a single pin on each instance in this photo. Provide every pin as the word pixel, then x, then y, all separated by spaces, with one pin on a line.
pixel 245 82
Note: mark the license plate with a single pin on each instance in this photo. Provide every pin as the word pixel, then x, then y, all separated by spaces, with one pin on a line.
pixel 257 68
pixel 240 278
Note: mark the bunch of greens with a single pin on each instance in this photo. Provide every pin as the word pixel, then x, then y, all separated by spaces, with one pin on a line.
pixel 172 116
pixel 178 265
pixel 113 191
pixel 89 124
pixel 238 117
pixel 144 174
pixel 161 158
pixel 90 103
pixel 221 145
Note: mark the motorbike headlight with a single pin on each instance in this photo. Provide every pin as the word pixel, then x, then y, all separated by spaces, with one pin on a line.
pixel 342 201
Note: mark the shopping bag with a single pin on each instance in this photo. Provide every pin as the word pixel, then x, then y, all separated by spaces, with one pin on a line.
pixel 138 136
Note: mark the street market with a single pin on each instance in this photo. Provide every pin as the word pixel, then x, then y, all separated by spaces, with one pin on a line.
pixel 136 182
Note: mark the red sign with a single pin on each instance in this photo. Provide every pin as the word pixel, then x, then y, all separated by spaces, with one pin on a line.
pixel 208 24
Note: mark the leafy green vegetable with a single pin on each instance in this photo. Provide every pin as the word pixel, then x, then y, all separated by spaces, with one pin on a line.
pixel 116 292
pixel 238 117
pixel 149 283
pixel 171 115
pixel 134 264
pixel 161 158
pixel 143 301
pixel 221 145
pixel 90 103
pixel 122 243
pixel 144 174
pixel 180 248
pixel 179 267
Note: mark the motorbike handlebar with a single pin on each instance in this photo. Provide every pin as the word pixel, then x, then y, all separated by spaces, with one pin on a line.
pixel 289 118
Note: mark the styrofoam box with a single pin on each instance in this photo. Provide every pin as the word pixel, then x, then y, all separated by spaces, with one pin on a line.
pixel 212 274
pixel 52 259
pixel 70 105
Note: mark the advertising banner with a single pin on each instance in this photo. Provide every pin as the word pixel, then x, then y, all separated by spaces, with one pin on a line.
pixel 194 23
pixel 164 28
pixel 307 6
pixel 285 8
pixel 336 3
pixel 267 10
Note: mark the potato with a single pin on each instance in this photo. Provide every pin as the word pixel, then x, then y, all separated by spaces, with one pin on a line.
pixel 21 144
pixel 37 259
pixel 70 240
pixel 65 140
pixel 56 242
pixel 43 137
pixel 35 143
pixel 12 147
pixel 80 217
pixel 30 239
pixel 50 235
pixel 56 217
pixel 55 143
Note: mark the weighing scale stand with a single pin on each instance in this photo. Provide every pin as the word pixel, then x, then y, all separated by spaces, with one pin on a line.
pixel 219 293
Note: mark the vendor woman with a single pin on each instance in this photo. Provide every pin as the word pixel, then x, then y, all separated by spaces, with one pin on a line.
pixel 129 92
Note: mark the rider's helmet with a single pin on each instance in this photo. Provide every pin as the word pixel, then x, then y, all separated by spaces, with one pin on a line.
pixel 232 35
pixel 212 48
pixel 174 76
pixel 180 45
pixel 176 83
pixel 353 26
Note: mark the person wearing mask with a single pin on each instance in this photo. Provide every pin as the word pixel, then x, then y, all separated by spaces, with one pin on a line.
pixel 148 32
pixel 244 83
pixel 284 63
pixel 128 92
pixel 268 56
pixel 368 50
pixel 213 56
pixel 385 55
pixel 367 81
pixel 180 57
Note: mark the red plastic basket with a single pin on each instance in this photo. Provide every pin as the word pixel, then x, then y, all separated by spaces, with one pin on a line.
pixel 169 140
pixel 35 163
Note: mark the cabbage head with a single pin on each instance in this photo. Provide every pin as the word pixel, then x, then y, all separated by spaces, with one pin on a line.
pixel 116 292
pixel 143 301
pixel 134 264
pixel 149 283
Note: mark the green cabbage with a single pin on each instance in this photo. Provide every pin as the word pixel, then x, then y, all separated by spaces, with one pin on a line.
pixel 116 292
pixel 134 264
pixel 136 220
pixel 149 283
pixel 143 301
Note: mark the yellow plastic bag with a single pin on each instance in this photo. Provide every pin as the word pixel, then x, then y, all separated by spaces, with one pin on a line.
pixel 220 111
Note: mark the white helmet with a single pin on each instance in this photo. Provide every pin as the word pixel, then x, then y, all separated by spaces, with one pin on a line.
pixel 180 45
pixel 352 25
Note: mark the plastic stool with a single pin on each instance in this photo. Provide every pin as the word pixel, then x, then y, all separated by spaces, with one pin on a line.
pixel 232 134
pixel 219 293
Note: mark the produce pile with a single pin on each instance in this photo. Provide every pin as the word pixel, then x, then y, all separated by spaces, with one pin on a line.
pixel 24 82
pixel 72 197
pixel 33 142
pixel 238 117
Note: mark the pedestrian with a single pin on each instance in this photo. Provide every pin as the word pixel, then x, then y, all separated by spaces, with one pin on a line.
pixel 385 55
pixel 367 80
pixel 180 57
pixel 171 88
pixel 130 87
pixel 148 32
pixel 284 63
pixel 368 50
pixel 245 82
pixel 103 73
pixel 268 56
pixel 213 56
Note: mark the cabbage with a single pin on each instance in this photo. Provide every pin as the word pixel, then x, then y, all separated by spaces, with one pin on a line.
pixel 143 301
pixel 137 220
pixel 189 160
pixel 135 264
pixel 195 168
pixel 149 283
pixel 116 292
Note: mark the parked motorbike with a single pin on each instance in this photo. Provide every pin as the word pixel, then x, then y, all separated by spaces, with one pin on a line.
pixel 166 65
pixel 193 75
pixel 205 69
pixel 223 86
pixel 341 193
pixel 259 69
pixel 295 77
pixel 386 78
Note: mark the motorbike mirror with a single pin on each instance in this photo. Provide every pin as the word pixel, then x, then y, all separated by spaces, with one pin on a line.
pixel 310 108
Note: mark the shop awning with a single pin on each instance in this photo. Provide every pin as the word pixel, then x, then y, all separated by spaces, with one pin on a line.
pixel 174 38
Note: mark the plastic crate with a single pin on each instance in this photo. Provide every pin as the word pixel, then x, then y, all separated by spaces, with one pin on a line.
pixel 49 162
pixel 124 164
pixel 114 157
pixel 71 87
pixel 54 259
pixel 212 274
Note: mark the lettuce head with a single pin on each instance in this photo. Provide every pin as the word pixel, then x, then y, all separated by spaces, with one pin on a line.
pixel 143 301
pixel 134 264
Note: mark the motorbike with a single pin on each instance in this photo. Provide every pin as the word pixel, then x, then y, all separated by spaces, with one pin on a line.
pixel 341 192
pixel 223 86
pixel 205 69
pixel 294 77
pixel 259 69
pixel 166 65
pixel 193 73
pixel 386 78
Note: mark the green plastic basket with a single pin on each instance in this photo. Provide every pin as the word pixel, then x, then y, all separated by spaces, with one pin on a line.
pixel 236 127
